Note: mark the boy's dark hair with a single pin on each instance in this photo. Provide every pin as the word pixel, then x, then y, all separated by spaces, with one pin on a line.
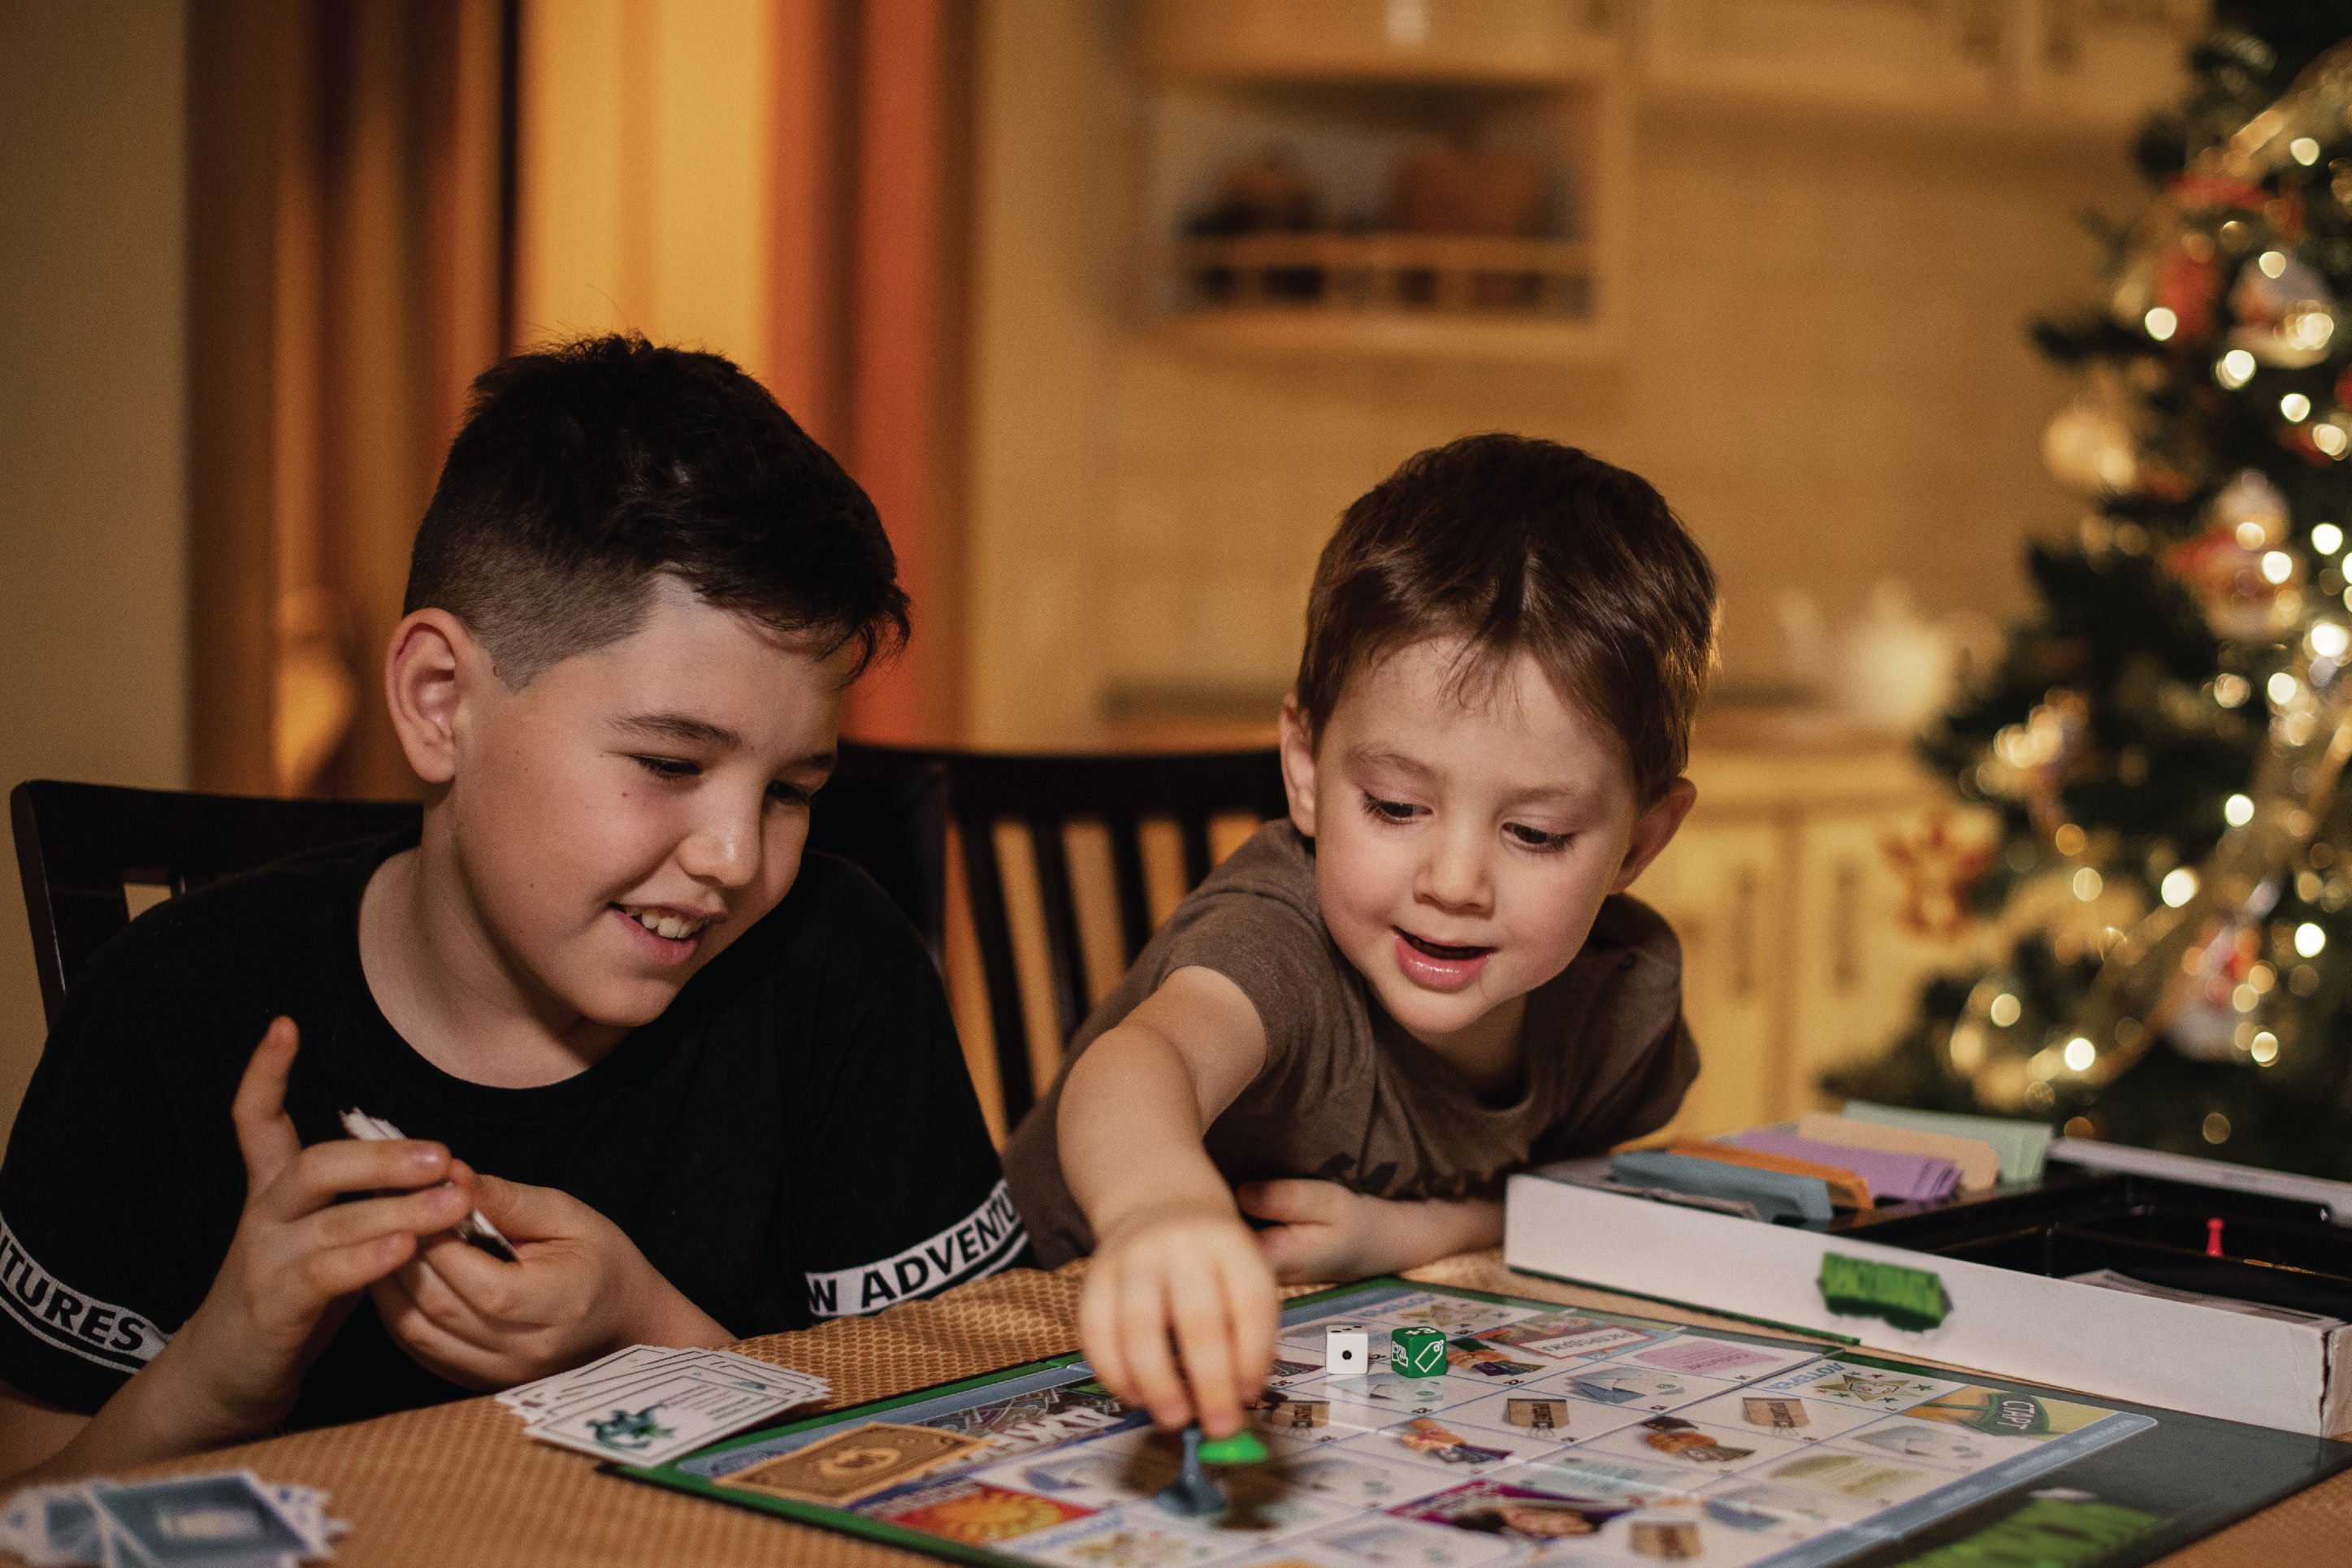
pixel 585 469
pixel 1523 545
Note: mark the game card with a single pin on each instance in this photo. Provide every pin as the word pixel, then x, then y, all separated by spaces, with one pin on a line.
pixel 196 1519
pixel 858 1463
pixel 657 1422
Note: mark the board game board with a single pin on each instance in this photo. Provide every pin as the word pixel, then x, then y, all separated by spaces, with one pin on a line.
pixel 1555 1435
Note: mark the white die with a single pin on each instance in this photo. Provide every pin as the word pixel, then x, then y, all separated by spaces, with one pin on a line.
pixel 1346 1351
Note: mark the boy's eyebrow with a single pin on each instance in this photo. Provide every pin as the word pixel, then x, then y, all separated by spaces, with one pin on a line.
pixel 682 727
pixel 1564 794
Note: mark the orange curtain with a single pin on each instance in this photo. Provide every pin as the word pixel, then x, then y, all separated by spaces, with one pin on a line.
pixel 350 191
pixel 871 218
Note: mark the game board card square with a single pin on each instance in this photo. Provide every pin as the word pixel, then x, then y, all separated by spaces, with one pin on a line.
pixel 1450 1314
pixel 1543 1417
pixel 1428 1441
pixel 1569 1336
pixel 1860 1477
pixel 1410 1543
pixel 1530 1516
pixel 1707 1449
pixel 1098 1474
pixel 1684 1530
pixel 1587 1472
pixel 975 1511
pixel 1398 1397
pixel 1937 1443
pixel 1634 1387
pixel 1800 1507
pixel 1701 1356
pixel 1130 1537
pixel 1870 1387
pixel 1780 1415
pixel 1357 1480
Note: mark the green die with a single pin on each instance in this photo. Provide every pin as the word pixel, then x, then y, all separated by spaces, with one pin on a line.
pixel 1417 1353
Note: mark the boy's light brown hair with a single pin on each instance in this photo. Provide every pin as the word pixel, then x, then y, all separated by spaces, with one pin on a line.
pixel 1521 546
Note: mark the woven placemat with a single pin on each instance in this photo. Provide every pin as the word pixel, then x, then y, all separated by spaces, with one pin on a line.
pixel 459 1484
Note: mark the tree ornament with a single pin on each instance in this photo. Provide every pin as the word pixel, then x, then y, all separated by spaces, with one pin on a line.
pixel 2245 580
pixel 2176 965
pixel 2030 761
pixel 2088 447
pixel 2285 313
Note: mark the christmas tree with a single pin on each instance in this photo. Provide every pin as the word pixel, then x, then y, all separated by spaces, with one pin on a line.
pixel 2169 900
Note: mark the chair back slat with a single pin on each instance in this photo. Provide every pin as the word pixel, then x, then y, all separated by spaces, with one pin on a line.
pixel 1058 896
pixel 1044 795
pixel 1127 879
pixel 999 973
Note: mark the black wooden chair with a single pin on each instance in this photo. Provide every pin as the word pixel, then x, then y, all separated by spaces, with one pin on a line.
pixel 80 845
pixel 1046 794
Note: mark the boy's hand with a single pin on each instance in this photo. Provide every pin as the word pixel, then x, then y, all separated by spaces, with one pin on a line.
pixel 1324 1232
pixel 1196 1270
pixel 299 1256
pixel 580 1288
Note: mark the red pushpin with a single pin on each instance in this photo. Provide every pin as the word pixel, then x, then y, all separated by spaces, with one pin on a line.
pixel 2213 1239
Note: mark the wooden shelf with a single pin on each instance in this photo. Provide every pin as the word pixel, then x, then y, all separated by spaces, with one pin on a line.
pixel 1399 334
pixel 1349 274
pixel 1455 41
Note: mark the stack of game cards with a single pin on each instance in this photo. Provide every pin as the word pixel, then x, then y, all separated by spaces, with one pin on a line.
pixel 227 1519
pixel 650 1404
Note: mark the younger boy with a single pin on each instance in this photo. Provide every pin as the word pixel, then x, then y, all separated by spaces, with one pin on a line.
pixel 695 1070
pixel 1425 978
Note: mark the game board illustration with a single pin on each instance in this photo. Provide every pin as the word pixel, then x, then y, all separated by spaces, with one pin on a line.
pixel 1548 1435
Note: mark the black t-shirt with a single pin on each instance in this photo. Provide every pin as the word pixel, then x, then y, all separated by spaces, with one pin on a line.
pixel 794 1138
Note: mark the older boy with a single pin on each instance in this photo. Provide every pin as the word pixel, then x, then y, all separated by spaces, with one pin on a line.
pixel 1425 978
pixel 699 1067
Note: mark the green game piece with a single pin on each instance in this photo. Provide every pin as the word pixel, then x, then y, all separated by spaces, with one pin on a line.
pixel 1242 1448
pixel 1417 1353
pixel 1907 1297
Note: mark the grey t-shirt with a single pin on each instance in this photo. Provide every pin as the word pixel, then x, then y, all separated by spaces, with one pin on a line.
pixel 1346 1095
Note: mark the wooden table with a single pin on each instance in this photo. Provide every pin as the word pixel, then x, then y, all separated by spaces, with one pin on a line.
pixel 459 1484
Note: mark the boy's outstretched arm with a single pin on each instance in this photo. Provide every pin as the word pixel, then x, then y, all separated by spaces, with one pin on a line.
pixel 1171 1252
pixel 296 1263
pixel 1322 1230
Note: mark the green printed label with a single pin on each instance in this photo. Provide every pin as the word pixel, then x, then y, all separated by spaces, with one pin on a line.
pixel 1906 1298
pixel 2048 1532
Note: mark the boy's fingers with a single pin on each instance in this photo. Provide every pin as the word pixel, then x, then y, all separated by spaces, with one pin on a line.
pixel 417 1214
pixel 475 1283
pixel 1204 1332
pixel 1288 1202
pixel 1257 1324
pixel 432 1346
pixel 325 1172
pixel 523 1212
pixel 335 1271
pixel 1144 1343
pixel 1098 1337
pixel 265 1133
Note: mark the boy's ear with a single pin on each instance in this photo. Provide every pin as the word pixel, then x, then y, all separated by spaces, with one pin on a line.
pixel 428 666
pixel 1653 830
pixel 1299 765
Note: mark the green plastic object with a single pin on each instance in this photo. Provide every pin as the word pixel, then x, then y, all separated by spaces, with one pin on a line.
pixel 1910 1299
pixel 1242 1448
pixel 1417 1353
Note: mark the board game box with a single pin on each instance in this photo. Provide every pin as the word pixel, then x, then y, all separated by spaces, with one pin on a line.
pixel 2219 1289
pixel 1553 1435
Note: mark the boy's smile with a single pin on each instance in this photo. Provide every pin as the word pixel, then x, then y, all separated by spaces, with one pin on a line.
pixel 1466 834
pixel 612 828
